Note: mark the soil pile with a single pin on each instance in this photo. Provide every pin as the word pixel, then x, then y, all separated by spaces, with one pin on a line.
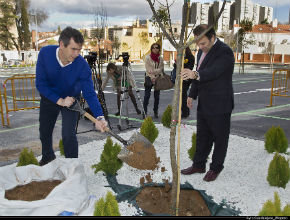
pixel 141 157
pixel 32 191
pixel 157 200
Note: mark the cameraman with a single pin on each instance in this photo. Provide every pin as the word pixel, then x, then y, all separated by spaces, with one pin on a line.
pixel 61 75
pixel 115 73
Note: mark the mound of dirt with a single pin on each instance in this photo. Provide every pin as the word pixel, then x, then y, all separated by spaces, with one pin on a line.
pixel 32 191
pixel 141 157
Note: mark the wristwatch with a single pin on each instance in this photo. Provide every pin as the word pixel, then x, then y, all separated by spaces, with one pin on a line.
pixel 196 74
pixel 100 118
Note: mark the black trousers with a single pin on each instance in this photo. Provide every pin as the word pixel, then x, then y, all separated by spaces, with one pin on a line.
pixel 147 97
pixel 212 129
pixel 185 86
pixel 49 112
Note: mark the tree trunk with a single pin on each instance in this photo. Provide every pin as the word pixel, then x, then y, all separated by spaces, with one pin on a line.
pixel 174 119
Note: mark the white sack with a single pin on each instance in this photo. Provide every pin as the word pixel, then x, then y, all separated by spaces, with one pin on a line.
pixel 71 195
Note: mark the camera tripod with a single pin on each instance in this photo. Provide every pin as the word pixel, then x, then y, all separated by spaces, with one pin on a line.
pixel 128 79
pixel 97 81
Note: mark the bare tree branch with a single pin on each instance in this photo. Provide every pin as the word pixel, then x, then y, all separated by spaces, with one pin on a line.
pixel 169 20
pixel 160 24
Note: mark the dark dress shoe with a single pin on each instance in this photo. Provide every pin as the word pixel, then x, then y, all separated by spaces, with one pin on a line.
pixel 155 115
pixel 117 113
pixel 192 170
pixel 210 176
pixel 44 162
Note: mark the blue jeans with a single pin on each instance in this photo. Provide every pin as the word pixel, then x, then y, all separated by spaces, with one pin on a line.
pixel 47 118
pixel 147 97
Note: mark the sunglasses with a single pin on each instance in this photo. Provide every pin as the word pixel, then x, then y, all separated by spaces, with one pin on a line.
pixel 155 48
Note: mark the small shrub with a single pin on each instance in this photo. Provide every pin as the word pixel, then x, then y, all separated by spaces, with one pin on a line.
pixel 109 207
pixel 275 140
pixel 274 209
pixel 278 171
pixel 191 151
pixel 166 117
pixel 149 130
pixel 61 148
pixel 26 158
pixel 109 163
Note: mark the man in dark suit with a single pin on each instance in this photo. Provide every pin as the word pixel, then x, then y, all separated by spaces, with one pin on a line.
pixel 212 85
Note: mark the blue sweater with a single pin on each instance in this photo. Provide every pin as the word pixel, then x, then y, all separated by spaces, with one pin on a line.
pixel 54 81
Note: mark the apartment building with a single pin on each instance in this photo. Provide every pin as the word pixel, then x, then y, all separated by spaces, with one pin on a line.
pixel 266 13
pixel 234 12
pixel 223 24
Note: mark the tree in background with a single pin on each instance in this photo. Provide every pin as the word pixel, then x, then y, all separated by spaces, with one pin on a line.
pixel 246 26
pixel 116 44
pixel 143 38
pixel 58 29
pixel 7 39
pixel 98 33
pixel 22 24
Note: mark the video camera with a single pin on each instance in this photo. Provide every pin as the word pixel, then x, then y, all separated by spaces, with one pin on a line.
pixel 125 56
pixel 91 58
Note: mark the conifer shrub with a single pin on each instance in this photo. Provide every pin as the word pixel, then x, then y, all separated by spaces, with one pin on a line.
pixel 275 140
pixel 26 158
pixel 274 208
pixel 61 147
pixel 191 151
pixel 278 171
pixel 109 207
pixel 149 130
pixel 109 163
pixel 166 117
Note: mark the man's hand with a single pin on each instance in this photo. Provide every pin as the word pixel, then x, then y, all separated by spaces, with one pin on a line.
pixel 67 102
pixel 189 102
pixel 188 74
pixel 101 124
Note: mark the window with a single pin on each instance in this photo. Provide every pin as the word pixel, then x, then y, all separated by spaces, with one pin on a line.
pixel 261 44
pixel 175 30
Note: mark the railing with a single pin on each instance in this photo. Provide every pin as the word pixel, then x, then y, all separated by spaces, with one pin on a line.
pixel 21 89
pixel 280 84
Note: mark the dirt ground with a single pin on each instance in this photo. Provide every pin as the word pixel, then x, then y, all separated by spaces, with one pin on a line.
pixel 32 191
pixel 157 200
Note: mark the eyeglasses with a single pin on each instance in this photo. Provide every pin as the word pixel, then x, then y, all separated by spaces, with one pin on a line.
pixel 155 48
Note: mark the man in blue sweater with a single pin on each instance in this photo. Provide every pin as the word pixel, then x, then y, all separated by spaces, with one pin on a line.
pixel 61 75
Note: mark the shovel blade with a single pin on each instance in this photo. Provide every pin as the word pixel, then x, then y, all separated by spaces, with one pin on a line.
pixel 125 154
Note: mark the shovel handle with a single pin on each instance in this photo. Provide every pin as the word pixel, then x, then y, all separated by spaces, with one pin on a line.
pixel 93 119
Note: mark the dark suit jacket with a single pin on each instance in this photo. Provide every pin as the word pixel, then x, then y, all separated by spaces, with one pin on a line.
pixel 215 89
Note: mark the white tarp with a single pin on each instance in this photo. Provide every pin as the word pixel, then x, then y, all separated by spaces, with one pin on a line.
pixel 71 195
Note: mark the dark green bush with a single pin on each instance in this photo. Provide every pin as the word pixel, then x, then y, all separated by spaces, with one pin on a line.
pixel 26 158
pixel 109 207
pixel 61 148
pixel 275 140
pixel 166 117
pixel 149 130
pixel 191 151
pixel 278 171
pixel 109 163
pixel 274 209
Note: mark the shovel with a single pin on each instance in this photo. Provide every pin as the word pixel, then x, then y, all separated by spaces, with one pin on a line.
pixel 136 137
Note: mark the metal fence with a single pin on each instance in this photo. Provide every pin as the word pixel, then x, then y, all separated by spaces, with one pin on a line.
pixel 280 84
pixel 23 93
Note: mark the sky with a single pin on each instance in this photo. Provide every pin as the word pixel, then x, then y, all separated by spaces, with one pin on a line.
pixel 80 13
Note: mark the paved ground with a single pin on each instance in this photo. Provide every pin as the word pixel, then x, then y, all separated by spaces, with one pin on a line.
pixel 251 118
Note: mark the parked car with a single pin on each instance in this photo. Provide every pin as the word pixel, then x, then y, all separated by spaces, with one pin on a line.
pixel 14 62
